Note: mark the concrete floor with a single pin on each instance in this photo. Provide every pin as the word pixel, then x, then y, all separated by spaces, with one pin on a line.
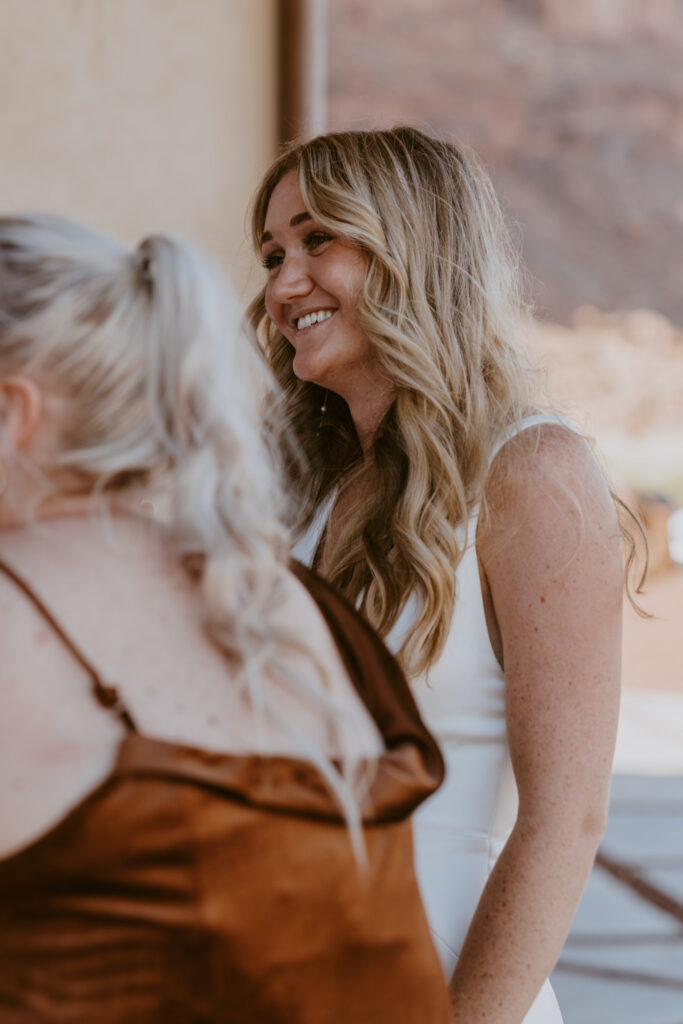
pixel 623 961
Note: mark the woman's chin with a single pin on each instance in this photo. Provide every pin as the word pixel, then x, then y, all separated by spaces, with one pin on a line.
pixel 307 370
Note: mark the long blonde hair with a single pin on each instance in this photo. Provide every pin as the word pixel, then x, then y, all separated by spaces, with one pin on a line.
pixel 164 392
pixel 441 306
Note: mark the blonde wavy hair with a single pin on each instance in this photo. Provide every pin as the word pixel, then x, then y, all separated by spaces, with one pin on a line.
pixel 164 400
pixel 441 307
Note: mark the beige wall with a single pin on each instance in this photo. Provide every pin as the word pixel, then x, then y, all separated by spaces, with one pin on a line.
pixel 140 115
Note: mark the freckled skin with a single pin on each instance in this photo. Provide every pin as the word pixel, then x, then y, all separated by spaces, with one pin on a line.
pixel 558 617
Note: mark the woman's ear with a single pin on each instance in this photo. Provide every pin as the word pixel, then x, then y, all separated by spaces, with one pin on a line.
pixel 21 409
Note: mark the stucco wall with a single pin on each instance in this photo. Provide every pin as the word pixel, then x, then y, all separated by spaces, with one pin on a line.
pixel 139 115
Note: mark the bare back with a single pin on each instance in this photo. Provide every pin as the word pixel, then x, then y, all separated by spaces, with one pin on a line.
pixel 135 614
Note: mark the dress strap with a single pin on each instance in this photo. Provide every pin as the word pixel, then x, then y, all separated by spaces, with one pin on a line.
pixel 529 421
pixel 106 696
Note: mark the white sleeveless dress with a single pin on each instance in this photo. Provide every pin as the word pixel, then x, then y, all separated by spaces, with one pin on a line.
pixel 462 828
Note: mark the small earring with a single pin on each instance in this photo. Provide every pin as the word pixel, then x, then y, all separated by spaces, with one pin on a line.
pixel 323 410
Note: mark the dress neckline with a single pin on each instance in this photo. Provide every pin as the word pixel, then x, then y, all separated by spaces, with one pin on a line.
pixel 307 548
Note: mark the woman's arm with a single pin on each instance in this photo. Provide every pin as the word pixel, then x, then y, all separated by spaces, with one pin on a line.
pixel 550 551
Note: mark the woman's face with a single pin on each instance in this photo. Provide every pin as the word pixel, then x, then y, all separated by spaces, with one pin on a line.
pixel 312 294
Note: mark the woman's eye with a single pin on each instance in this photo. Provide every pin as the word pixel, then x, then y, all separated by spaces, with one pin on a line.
pixel 312 241
pixel 317 238
pixel 272 260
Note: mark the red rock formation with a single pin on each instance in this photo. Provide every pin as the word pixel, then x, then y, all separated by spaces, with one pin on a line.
pixel 576 106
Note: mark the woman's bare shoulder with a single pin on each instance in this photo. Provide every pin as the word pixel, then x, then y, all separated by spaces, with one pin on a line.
pixel 550 549
pixel 546 476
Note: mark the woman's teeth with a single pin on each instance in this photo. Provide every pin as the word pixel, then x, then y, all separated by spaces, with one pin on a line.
pixel 313 318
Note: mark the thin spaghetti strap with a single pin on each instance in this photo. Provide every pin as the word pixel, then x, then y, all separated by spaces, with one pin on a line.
pixel 105 695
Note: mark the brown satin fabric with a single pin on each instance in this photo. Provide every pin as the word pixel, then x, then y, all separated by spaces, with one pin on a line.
pixel 200 887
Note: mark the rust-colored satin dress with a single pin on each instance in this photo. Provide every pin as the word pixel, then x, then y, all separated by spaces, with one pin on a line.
pixel 201 888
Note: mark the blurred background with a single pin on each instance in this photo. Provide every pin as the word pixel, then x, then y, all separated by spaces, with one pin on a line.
pixel 140 115
pixel 143 115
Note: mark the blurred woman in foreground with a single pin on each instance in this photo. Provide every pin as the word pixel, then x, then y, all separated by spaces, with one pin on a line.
pixel 193 739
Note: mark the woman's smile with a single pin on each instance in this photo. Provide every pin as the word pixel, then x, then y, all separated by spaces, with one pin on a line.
pixel 305 321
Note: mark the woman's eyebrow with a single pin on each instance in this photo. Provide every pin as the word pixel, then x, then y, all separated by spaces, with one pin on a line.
pixel 298 218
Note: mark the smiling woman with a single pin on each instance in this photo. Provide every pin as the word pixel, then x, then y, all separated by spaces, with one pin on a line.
pixel 474 531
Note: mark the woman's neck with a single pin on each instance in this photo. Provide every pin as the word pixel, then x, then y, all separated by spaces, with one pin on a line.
pixel 368 412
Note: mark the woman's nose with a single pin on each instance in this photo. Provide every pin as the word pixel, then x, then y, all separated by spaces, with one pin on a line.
pixel 291 281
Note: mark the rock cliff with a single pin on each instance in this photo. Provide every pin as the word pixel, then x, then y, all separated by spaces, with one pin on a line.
pixel 576 107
